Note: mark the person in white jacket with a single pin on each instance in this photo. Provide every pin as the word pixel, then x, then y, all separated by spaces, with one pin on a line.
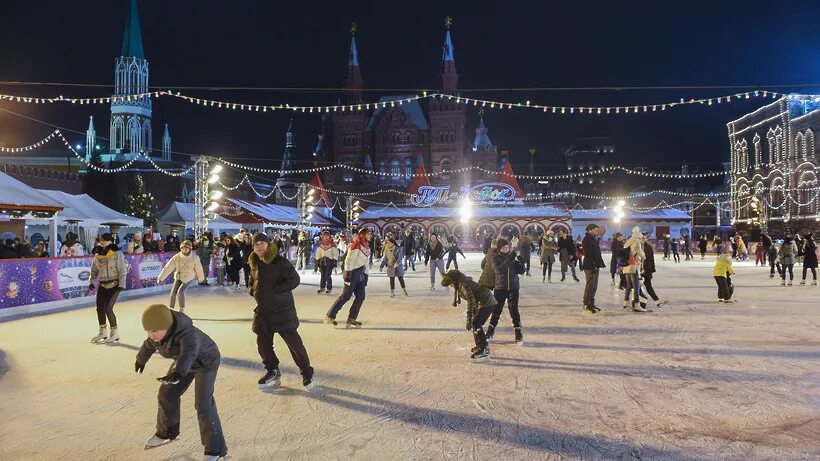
pixel 632 271
pixel 186 267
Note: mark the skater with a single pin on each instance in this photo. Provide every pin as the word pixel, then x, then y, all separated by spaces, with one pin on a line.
pixel 525 247
pixel 245 249
pixel 687 246
pixel 703 243
pixel 742 252
pixel 327 256
pixel 616 247
pixel 109 269
pixel 186 267
pixel 487 278
pixel 648 269
pixel 480 305
pixel 355 277
pixel 566 249
pixel 302 252
pixel 787 253
pixel 548 249
pixel 273 279
pixel 673 245
pixel 593 263
pixel 392 259
pixel 342 244
pixel 809 258
pixel 723 272
pixel 452 253
pixel 760 255
pixel 219 263
pixel 631 271
pixel 233 261
pixel 771 255
pixel 488 243
pixel 717 245
pixel 507 266
pixel 196 360
pixel 204 249
pixel 434 254
pixel 409 247
pixel 666 243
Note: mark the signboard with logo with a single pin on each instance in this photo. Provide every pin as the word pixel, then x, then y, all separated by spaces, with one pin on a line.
pixel 487 193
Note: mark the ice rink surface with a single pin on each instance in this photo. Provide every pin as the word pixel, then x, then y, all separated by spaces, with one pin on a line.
pixel 695 380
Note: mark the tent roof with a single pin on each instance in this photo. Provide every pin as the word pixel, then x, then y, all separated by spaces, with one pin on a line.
pixel 20 196
pixel 280 214
pixel 84 208
pixel 390 211
pixel 507 176
pixel 182 214
pixel 661 214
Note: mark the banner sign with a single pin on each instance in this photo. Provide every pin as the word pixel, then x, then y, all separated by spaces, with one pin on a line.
pixel 40 280
pixel 488 193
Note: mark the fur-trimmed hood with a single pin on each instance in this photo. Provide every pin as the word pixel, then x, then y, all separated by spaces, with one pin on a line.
pixel 270 254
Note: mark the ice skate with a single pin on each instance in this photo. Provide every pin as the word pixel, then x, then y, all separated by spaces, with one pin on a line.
pixel 814 283
pixel 309 383
pixel 590 310
pixel 626 304
pixel 181 309
pixel 576 278
pixel 782 283
pixel 612 284
pixel 640 307
pixel 212 457
pixel 661 302
pixel 803 283
pixel 432 287
pixel 519 336
pixel 720 300
pixel 113 337
pixel 405 291
pixel 392 293
pixel 320 291
pixel 352 323
pixel 270 380
pixel 549 279
pixel 330 321
pixel 101 336
pixel 327 291
pixel 790 283
pixel 490 333
pixel 155 442
pixel 481 355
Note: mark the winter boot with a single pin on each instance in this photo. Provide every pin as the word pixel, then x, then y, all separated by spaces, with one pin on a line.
pixel 270 380
pixel 392 293
pixel 155 441
pixel 352 323
pixel 113 337
pixel 519 336
pixel 481 351
pixel 101 337
pixel 590 310
pixel 405 291
pixel 490 333
pixel 482 355
pixel 790 283
pixel 330 321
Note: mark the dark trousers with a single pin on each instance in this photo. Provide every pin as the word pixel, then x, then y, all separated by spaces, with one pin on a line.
pixel 566 262
pixel 401 282
pixel 724 288
pixel 106 297
pixel 546 269
pixel 452 260
pixel 480 317
pixel 233 273
pixel 787 267
pixel 511 298
pixel 647 283
pixel 676 256
pixel 591 286
pixel 326 280
pixel 772 267
pixel 264 344
pixel 813 272
pixel 355 288
pixel 210 428
pixel 687 251
pixel 246 270
pixel 410 261
pixel 526 264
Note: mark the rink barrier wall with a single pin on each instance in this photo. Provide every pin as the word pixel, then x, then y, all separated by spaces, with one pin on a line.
pixel 34 285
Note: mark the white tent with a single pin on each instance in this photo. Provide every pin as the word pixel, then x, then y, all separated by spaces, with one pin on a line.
pixel 16 196
pixel 89 211
pixel 182 214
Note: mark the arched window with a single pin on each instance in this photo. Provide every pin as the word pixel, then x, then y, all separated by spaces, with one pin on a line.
pixel 395 170
pixel 800 144
pixel 394 138
pixel 382 168
pixel 810 143
pixel 117 134
pixel 408 169
pixel 772 146
pixel 146 136
pixel 134 132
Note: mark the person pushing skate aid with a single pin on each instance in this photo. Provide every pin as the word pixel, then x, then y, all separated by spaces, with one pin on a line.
pixel 480 305
pixel 196 360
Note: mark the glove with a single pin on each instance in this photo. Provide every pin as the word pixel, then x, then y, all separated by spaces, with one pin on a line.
pixel 346 277
pixel 119 288
pixel 91 287
pixel 139 367
pixel 170 378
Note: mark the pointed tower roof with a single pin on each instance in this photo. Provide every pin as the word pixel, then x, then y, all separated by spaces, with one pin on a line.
pixel 166 134
pixel 447 49
pixel 316 182
pixel 319 150
pixel 482 141
pixel 290 150
pixel 353 79
pixel 353 59
pixel 132 37
pixel 449 75
pixel 506 176
pixel 419 180
pixel 91 123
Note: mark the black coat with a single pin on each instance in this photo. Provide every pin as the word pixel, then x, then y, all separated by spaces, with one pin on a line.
pixel 272 281
pixel 649 261
pixel 409 244
pixel 568 244
pixel 507 268
pixel 245 250
pixel 592 254
pixel 191 349
pixel 617 246
pixel 233 256
pixel 434 252
pixel 810 256
pixel 150 246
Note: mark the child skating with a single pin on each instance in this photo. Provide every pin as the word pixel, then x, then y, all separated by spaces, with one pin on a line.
pixel 196 360
pixel 723 278
pixel 186 268
pixel 480 304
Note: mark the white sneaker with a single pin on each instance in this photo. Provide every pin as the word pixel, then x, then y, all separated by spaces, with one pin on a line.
pixel 155 441
pixel 113 337
pixel 101 336
pixel 392 293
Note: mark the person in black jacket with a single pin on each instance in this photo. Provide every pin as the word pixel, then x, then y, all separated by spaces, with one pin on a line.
pixel 245 250
pixel 452 253
pixel 592 264
pixel 409 245
pixel 488 242
pixel 149 245
pixel 525 247
pixel 273 279
pixel 171 243
pixel 233 260
pixel 480 304
pixel 566 250
pixel 507 266
pixel 649 269
pixel 616 247
pixel 196 360
pixel 434 254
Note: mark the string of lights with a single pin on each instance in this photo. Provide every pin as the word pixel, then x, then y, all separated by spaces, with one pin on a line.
pixel 37 144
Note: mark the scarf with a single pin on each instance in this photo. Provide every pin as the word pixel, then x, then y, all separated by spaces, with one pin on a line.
pixel 389 254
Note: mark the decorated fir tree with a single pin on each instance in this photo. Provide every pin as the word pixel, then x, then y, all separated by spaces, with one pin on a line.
pixel 140 204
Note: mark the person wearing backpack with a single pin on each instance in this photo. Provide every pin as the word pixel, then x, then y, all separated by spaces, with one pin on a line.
pixel 787 254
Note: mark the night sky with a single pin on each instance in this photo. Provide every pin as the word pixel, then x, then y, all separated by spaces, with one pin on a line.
pixel 305 44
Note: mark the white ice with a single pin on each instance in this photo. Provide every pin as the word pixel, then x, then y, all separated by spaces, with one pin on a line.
pixel 693 380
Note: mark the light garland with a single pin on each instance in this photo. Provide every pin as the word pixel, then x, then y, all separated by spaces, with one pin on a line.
pixel 91 165
pixel 37 144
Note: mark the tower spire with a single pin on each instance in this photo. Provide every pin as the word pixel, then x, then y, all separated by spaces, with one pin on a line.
pixel 290 148
pixel 132 37
pixel 90 139
pixel 166 144
pixel 449 76
pixel 353 80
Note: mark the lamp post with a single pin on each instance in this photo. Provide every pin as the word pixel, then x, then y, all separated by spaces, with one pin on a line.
pixel 205 200
pixel 618 213
pixel 305 205
pixel 354 209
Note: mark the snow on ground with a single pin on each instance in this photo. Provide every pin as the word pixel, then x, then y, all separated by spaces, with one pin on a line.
pixel 694 380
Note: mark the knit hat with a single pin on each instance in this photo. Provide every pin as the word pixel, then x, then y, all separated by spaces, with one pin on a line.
pixel 186 243
pixel 157 317
pixel 260 237
pixel 501 242
pixel 591 226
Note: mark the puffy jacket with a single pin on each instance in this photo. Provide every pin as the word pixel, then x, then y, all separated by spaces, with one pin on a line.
pixel 592 254
pixel 453 251
pixel 327 255
pixel 548 250
pixel 567 244
pixel 787 252
pixel 409 243
pixel 191 349
pixel 616 247
pixel 649 258
pixel 507 269
pixel 487 278
pixel 272 281
pixel 185 268
pixel 358 256
pixel 109 268
pixel 723 266
pixel 434 252
pixel 477 296
pixel 809 254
